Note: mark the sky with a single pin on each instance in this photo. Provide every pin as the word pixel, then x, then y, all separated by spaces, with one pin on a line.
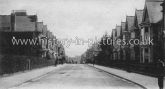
pixel 72 21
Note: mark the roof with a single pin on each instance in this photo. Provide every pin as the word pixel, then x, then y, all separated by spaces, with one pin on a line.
pixel 19 12
pixel 24 23
pixel 139 14
pixel 130 22
pixel 45 28
pixel 40 26
pixel 5 22
pixel 113 32
pixel 154 11
pixel 48 34
pixel 123 26
pixel 118 30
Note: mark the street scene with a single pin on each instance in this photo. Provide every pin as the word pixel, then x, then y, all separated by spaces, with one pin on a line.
pixel 82 44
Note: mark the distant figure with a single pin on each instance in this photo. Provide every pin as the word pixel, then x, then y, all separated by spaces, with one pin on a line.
pixel 160 73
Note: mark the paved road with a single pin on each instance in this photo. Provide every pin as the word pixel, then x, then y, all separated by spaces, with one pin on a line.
pixel 77 76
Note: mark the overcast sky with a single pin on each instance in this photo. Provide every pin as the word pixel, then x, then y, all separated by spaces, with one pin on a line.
pixel 71 19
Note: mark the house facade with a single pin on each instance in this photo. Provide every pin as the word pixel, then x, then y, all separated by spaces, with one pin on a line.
pixel 118 42
pixel 114 38
pixel 137 27
pixel 123 35
pixel 151 28
pixel 130 55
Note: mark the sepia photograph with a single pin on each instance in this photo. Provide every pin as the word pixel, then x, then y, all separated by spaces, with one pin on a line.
pixel 82 44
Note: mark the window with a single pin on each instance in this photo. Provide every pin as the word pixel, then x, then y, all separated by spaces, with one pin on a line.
pixel 146 29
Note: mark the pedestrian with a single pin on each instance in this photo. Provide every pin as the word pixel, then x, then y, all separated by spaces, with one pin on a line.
pixel 160 66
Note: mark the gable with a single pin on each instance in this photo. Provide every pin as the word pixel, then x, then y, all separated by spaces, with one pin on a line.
pixel 152 12
pixel 139 16
pixel 146 16
pixel 129 22
pixel 123 26
pixel 118 30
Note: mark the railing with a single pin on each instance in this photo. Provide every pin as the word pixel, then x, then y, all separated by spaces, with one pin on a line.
pixel 134 66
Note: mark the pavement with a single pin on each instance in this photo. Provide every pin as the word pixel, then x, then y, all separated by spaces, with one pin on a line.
pixel 16 79
pixel 143 80
pixel 67 76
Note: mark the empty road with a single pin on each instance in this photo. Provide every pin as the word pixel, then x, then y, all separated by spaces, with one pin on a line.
pixel 77 76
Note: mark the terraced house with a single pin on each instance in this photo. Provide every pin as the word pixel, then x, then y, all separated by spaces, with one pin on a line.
pixel 143 34
pixel 151 28
pixel 114 38
pixel 26 40
pixel 118 42
pixel 137 29
pixel 130 55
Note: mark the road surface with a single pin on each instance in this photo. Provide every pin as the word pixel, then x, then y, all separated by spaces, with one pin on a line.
pixel 77 76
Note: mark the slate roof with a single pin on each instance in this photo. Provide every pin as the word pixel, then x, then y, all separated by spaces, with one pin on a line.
pixel 118 30
pixel 5 22
pixel 139 14
pixel 123 26
pixel 45 29
pixel 24 24
pixel 114 32
pixel 130 22
pixel 40 26
pixel 154 10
